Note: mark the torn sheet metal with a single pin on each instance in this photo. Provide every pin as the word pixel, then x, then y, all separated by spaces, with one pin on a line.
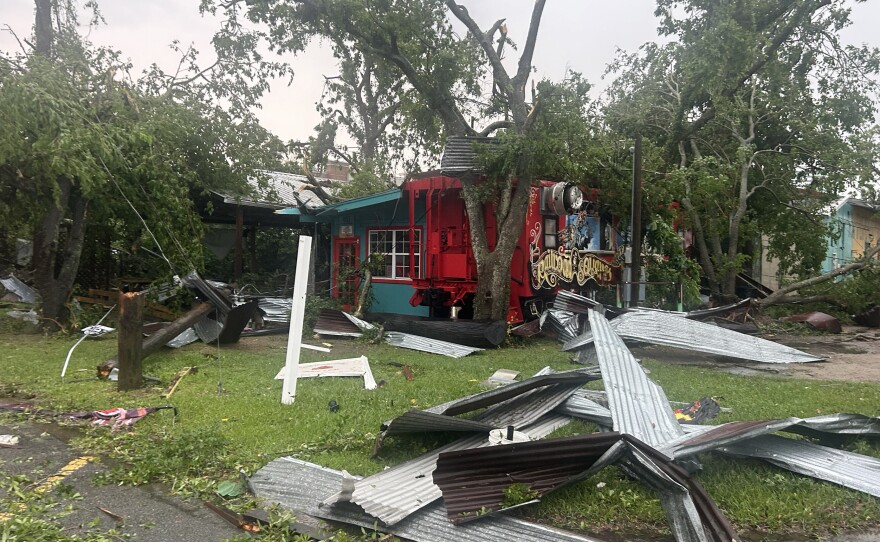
pixel 663 329
pixel 209 293
pixel 702 439
pixel 298 486
pixel 208 329
pixel 848 469
pixel 638 406
pixel 22 291
pixel 563 323
pixel 188 336
pixel 432 419
pixel 479 480
pixel 395 493
pixel 336 323
pixel 572 302
pixel 339 367
pixel 275 309
pixel 432 346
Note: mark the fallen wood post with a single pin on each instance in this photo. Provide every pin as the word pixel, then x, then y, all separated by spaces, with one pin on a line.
pixel 131 321
pixel 154 342
pixel 476 333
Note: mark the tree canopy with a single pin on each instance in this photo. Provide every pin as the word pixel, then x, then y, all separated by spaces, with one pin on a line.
pixel 760 117
pixel 85 144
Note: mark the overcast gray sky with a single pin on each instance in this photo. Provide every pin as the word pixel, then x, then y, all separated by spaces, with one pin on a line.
pixel 581 35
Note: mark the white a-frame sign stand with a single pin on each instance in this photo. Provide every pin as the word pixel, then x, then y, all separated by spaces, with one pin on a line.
pixel 294 339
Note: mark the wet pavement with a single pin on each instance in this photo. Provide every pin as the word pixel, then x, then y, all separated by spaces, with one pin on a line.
pixel 148 513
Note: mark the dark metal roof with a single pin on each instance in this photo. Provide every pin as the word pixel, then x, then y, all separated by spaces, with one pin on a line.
pixel 459 156
pixel 337 323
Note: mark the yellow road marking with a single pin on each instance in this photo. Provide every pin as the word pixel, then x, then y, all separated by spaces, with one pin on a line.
pixel 49 483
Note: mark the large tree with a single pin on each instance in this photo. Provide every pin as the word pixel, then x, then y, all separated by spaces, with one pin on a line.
pixel 762 117
pixel 84 142
pixel 416 39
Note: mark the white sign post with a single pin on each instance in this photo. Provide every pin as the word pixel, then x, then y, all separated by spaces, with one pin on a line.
pixel 294 339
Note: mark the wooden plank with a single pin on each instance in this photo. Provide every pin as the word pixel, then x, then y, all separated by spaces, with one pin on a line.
pixel 176 380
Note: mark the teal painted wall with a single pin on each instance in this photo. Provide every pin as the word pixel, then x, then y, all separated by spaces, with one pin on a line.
pixel 387 296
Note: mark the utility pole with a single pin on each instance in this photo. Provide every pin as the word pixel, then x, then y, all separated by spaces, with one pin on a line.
pixel 635 274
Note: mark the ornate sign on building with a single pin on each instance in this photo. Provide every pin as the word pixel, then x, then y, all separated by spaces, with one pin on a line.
pixel 568 267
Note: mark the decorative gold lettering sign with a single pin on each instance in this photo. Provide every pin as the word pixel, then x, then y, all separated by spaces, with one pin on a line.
pixel 572 267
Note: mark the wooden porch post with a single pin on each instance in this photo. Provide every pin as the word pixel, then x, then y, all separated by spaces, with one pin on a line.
pixel 238 251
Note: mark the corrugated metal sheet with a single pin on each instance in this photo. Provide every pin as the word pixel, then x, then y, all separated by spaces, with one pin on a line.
pixel 395 493
pixel 563 323
pixel 24 292
pixel 473 481
pixel 298 486
pixel 855 471
pixel 459 156
pixel 209 293
pixel 334 322
pixel 572 302
pixel 275 309
pixel 277 189
pixel 664 329
pixel 639 407
pixel 208 329
pixel 417 421
pixel 432 346
pixel 361 324
pixel 710 438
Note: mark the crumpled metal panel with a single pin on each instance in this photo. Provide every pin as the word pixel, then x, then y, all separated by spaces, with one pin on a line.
pixel 209 293
pixel 710 438
pixel 848 469
pixel 17 287
pixel 564 323
pixel 473 481
pixel 395 493
pixel 208 329
pixel 432 346
pixel 639 407
pixel 336 323
pixel 275 309
pixel 298 486
pixel 664 329
pixel 427 420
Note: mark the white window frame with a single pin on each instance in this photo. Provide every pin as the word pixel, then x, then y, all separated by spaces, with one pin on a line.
pixel 374 236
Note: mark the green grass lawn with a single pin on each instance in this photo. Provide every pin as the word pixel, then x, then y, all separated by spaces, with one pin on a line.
pixel 231 416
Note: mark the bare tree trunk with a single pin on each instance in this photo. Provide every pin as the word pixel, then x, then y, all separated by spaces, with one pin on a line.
pixel 364 293
pixel 43 32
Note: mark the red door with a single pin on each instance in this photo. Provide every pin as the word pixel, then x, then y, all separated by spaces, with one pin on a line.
pixel 346 260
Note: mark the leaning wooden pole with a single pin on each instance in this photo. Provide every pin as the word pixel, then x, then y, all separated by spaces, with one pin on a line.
pixel 157 340
pixel 131 323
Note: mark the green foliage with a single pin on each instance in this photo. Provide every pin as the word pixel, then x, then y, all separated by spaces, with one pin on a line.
pixel 756 138
pixel 859 292
pixel 314 304
pixel 364 182
pixel 518 493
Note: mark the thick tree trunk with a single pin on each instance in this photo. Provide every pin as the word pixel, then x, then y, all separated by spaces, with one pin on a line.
pixel 55 267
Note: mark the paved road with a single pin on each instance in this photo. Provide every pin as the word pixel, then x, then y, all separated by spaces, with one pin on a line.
pixel 149 514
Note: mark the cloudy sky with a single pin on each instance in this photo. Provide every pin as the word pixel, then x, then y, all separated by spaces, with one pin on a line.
pixel 581 35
